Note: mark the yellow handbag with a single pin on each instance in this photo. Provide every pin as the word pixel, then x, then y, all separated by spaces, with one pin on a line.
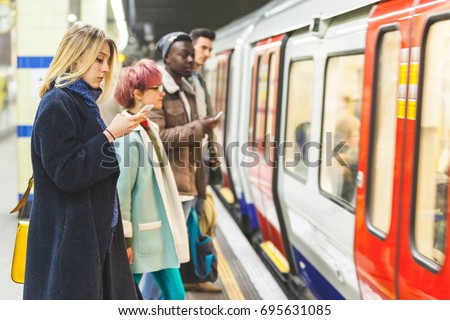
pixel 20 247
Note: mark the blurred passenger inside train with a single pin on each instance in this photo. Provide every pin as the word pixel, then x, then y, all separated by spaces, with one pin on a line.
pixel 76 247
pixel 181 127
pixel 302 137
pixel 347 130
pixel 153 219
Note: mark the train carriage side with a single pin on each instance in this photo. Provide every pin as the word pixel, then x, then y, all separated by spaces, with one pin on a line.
pixel 266 90
pixel 218 69
pixel 381 149
pixel 321 107
pixel 371 220
pixel 266 55
pixel 401 231
pixel 224 77
pixel 423 266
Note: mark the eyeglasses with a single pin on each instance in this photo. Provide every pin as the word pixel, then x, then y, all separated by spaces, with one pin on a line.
pixel 160 88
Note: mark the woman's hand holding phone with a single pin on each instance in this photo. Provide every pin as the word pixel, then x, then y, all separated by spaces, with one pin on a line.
pixel 124 124
pixel 147 108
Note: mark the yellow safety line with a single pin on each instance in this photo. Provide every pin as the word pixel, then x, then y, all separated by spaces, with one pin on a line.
pixel 227 277
pixel 275 256
pixel 227 194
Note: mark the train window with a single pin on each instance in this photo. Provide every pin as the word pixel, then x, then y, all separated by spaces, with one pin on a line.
pixel 222 83
pixel 430 225
pixel 211 81
pixel 382 156
pixel 298 118
pixel 271 108
pixel 341 127
pixel 252 124
pixel 261 99
pixel 218 85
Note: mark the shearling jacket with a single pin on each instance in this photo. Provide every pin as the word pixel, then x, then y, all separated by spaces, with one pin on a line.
pixel 151 209
pixel 71 253
pixel 182 139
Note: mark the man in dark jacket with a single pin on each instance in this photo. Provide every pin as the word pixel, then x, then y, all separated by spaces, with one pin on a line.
pixel 181 127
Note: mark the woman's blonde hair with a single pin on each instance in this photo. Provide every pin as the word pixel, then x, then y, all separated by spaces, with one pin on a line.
pixel 81 44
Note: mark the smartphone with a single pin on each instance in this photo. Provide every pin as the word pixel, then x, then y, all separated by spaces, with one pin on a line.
pixel 147 107
pixel 217 116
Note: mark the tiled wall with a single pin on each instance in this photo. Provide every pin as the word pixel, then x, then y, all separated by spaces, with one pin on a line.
pixel 94 12
pixel 39 27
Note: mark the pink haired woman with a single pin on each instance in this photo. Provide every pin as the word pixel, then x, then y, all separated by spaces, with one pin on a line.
pixel 153 219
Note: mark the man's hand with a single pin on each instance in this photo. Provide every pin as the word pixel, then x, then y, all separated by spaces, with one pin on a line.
pixel 209 123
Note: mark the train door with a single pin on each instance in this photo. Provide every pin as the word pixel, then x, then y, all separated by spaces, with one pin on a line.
pixel 381 149
pixel 423 266
pixel 322 109
pixel 220 98
pixel 294 175
pixel 266 59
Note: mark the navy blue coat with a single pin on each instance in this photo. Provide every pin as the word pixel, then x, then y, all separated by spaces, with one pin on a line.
pixel 75 174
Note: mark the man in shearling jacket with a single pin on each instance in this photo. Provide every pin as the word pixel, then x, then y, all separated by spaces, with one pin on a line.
pixel 181 128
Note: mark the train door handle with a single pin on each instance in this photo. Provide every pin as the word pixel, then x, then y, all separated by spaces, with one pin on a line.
pixel 339 275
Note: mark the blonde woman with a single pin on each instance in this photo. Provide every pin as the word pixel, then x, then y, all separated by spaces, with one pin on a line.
pixel 153 217
pixel 76 247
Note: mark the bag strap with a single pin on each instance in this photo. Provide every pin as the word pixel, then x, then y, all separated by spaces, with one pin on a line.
pixel 24 198
pixel 194 233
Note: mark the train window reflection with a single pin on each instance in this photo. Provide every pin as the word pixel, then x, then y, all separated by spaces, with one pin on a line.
pixel 434 147
pixel 382 157
pixel 341 124
pixel 221 94
pixel 298 119
pixel 211 79
pixel 216 77
pixel 254 106
pixel 222 83
pixel 271 107
pixel 261 99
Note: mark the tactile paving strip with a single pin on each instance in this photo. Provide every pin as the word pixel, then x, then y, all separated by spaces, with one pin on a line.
pixel 246 286
pixel 248 271
pixel 233 278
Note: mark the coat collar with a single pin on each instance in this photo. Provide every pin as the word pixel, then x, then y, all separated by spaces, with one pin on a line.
pixel 171 86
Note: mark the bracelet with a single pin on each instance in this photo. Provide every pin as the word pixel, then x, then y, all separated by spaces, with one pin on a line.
pixel 114 138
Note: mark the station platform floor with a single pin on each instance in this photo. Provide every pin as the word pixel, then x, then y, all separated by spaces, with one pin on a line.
pixel 242 274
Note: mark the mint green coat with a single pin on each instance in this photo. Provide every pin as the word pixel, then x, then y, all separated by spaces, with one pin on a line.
pixel 150 205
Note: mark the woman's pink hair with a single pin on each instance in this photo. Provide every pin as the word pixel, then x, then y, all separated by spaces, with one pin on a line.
pixel 142 75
